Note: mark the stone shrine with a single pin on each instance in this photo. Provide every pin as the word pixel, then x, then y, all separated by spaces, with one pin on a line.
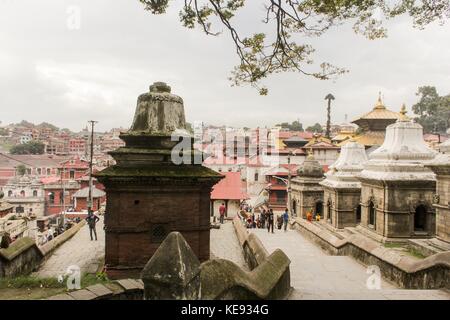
pixel 397 189
pixel 342 189
pixel 149 193
pixel 307 193
pixel 441 167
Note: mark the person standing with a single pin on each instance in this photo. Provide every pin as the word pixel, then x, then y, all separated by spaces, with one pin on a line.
pixel 263 218
pixel 92 220
pixel 270 220
pixel 222 210
pixel 285 219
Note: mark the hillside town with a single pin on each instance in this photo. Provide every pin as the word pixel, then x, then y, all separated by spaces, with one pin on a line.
pixel 225 154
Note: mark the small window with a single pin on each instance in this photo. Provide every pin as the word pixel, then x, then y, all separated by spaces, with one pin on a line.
pixel 20 209
pixel 256 176
pixel 136 202
pixel 10 193
pixel 22 193
pixel 39 171
pixel 51 198
pixel 35 193
pixel 49 172
pixel 159 232
pixel 72 174
pixel 371 214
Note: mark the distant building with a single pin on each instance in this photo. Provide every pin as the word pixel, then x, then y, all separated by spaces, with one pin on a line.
pixel 26 195
pixel 277 179
pixel 231 192
pixel 373 125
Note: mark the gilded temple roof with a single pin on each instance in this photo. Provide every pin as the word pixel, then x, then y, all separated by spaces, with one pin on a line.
pixel 379 113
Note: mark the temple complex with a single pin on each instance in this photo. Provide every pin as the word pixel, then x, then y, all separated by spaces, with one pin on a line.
pixel 307 193
pixel 373 125
pixel 342 189
pixel 397 189
pixel 441 167
pixel 156 187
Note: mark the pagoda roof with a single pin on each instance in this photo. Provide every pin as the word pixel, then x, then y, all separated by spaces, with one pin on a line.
pixel 378 114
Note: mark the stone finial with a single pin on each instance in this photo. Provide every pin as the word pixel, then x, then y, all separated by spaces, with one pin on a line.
pixel 160 87
pixel 379 104
pixel 173 272
pixel 158 112
pixel 403 116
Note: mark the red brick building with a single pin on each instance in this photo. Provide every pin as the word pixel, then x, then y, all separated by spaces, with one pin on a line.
pixel 277 179
pixel 74 168
pixel 80 199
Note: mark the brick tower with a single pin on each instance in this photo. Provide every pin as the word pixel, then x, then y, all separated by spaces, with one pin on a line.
pixel 157 186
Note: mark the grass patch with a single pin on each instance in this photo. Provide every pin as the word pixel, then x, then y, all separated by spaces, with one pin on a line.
pixel 32 287
pixel 393 245
pixel 416 253
pixel 91 279
pixel 29 282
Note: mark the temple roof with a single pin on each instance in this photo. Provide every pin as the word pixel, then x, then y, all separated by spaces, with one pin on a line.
pixel 84 193
pixel 378 118
pixel 369 138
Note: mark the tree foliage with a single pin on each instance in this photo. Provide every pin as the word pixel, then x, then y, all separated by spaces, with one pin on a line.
pixel 294 126
pixel 315 128
pixel 433 110
pixel 31 147
pixel 21 169
pixel 291 22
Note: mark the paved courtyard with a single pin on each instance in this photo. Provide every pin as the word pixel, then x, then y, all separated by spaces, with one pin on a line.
pixel 79 251
pixel 317 275
pixel 225 245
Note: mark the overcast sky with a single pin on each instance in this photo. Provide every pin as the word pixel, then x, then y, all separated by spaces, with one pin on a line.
pixel 49 72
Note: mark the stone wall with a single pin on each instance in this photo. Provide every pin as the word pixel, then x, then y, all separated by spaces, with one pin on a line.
pixel 395 204
pixel 50 246
pixel 344 203
pixel 21 257
pixel 269 277
pixel 175 273
pixel 430 273
pixel 443 208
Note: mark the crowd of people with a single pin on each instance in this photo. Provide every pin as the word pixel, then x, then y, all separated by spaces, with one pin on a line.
pixel 265 219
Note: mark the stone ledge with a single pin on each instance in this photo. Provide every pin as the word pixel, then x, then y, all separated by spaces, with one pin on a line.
pixel 119 289
pixel 50 246
pixel 269 277
pixel 16 248
pixel 430 273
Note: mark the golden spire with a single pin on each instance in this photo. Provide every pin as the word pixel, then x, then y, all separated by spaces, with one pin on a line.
pixel 379 104
pixel 403 116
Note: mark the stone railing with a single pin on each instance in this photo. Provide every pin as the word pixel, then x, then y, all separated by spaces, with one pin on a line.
pixel 174 272
pixel 430 273
pixel 50 246
pixel 23 256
